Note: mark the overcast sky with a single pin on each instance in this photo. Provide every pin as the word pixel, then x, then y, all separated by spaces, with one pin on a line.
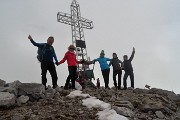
pixel 151 26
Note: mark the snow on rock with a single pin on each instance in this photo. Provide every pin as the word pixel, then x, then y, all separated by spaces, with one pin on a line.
pixel 77 93
pixel 93 102
pixel 110 114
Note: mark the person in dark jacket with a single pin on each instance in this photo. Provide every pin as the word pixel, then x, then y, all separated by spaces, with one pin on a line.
pixel 127 67
pixel 115 62
pixel 72 62
pixel 47 63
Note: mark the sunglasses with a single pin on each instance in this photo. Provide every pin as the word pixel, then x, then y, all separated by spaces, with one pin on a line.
pixel 71 48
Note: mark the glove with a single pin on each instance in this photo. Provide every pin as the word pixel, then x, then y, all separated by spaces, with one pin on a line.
pixel 82 61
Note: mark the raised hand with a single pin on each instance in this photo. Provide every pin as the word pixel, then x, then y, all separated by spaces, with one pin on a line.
pixel 133 49
pixel 29 37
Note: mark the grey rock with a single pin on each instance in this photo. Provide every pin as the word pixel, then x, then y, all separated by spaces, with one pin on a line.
pixel 171 95
pixel 7 99
pixel 32 90
pixel 123 111
pixel 159 114
pixel 12 87
pixel 22 99
pixel 2 83
pixel 140 91
pixel 17 117
pixel 126 104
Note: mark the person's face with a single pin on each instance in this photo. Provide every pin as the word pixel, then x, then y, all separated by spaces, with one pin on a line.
pixel 50 41
pixel 71 49
pixel 125 57
pixel 101 55
pixel 114 56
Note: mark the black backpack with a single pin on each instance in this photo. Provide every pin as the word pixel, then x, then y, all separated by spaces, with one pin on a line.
pixel 40 53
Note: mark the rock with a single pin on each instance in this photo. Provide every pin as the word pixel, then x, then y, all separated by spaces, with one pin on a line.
pixel 12 87
pixel 22 99
pixel 32 90
pixel 49 93
pixel 171 95
pixel 123 111
pixel 140 91
pixel 2 83
pixel 17 117
pixel 126 104
pixel 7 99
pixel 159 114
pixel 89 84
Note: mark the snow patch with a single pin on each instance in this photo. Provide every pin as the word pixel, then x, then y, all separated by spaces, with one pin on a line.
pixel 92 102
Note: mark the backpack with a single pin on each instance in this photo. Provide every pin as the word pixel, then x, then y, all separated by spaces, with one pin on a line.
pixel 40 53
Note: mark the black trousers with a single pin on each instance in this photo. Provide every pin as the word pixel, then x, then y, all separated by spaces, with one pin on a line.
pixel 71 76
pixel 105 74
pixel 131 74
pixel 115 73
pixel 48 66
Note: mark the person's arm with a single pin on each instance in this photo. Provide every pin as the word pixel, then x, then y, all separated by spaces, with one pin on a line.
pixel 95 60
pixel 63 60
pixel 132 55
pixel 108 59
pixel 120 61
pixel 54 55
pixel 110 63
pixel 34 43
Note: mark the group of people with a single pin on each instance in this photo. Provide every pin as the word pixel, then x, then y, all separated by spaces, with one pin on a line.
pixel 49 55
pixel 118 66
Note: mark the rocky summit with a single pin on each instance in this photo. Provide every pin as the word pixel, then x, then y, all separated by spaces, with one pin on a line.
pixel 30 101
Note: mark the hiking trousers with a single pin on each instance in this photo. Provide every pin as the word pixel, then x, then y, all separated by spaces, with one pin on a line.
pixel 115 73
pixel 105 74
pixel 131 74
pixel 71 76
pixel 48 66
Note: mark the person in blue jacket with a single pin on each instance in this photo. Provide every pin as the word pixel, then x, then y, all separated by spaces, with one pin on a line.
pixel 104 67
pixel 47 63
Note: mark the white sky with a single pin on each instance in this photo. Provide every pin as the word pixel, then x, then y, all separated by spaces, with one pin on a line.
pixel 151 26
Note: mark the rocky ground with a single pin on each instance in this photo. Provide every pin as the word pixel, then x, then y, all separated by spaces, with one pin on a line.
pixel 135 104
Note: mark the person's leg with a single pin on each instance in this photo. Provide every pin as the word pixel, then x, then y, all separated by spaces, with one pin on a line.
pixel 114 77
pixel 52 70
pixel 132 79
pixel 74 69
pixel 104 76
pixel 107 77
pixel 69 77
pixel 119 79
pixel 44 68
pixel 125 80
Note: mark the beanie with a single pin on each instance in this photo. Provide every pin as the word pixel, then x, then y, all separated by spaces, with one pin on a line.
pixel 102 52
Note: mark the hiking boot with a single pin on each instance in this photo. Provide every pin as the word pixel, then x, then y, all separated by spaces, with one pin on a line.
pixel 54 86
pixel 107 88
pixel 66 88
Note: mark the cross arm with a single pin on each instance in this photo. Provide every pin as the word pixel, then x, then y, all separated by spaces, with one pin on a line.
pixel 64 18
pixel 67 19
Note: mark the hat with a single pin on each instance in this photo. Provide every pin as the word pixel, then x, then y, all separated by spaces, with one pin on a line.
pixel 71 47
pixel 102 52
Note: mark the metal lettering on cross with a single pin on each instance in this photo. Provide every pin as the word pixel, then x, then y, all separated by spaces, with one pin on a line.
pixel 77 24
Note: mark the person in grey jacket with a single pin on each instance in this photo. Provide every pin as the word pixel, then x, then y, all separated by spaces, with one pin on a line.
pixel 115 62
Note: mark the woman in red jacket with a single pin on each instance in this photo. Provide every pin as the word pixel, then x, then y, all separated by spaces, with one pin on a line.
pixel 70 56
